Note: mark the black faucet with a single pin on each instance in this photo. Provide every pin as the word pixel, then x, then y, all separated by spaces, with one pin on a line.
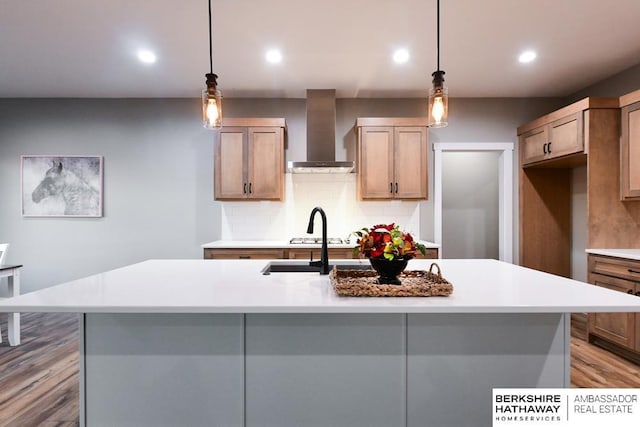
pixel 324 254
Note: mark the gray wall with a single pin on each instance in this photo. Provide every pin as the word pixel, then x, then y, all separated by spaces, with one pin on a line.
pixel 617 85
pixel 157 184
pixel 158 170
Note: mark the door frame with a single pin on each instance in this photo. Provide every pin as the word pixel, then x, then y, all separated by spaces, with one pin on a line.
pixel 505 190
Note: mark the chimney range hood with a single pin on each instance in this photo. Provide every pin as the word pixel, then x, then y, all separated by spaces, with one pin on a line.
pixel 321 135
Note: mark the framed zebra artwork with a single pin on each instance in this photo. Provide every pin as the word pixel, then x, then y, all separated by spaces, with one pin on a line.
pixel 61 186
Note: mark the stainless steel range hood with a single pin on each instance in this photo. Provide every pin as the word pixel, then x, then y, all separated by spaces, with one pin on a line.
pixel 321 135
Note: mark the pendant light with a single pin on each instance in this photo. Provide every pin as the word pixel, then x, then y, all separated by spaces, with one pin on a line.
pixel 438 94
pixel 211 96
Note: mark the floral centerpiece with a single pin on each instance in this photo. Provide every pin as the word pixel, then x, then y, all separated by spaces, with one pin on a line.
pixel 388 248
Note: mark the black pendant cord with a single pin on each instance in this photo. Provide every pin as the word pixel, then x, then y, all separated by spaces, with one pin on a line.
pixel 210 41
pixel 438 33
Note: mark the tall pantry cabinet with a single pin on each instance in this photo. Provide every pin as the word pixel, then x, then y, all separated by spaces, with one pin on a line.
pixel 583 133
pixel 597 133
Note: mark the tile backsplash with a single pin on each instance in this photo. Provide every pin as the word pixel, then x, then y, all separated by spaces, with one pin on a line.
pixel 334 193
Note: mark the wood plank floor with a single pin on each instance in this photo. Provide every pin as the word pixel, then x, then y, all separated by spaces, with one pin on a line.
pixel 39 378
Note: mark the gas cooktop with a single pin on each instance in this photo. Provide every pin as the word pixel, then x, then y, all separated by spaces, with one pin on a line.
pixel 317 240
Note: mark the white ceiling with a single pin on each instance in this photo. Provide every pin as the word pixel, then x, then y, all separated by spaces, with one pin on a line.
pixel 86 48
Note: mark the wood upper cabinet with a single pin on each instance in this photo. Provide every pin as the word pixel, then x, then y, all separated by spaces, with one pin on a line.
pixel 392 158
pixel 630 147
pixel 559 138
pixel 249 160
pixel 621 275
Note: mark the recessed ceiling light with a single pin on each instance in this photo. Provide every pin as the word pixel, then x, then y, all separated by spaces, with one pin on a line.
pixel 400 56
pixel 527 56
pixel 146 56
pixel 274 56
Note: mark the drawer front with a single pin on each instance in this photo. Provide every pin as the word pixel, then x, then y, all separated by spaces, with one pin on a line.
pixel 615 267
pixel 306 253
pixel 256 253
pixel 431 253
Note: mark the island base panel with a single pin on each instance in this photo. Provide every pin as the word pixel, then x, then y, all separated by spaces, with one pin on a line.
pixel 325 370
pixel 314 369
pixel 455 360
pixel 163 370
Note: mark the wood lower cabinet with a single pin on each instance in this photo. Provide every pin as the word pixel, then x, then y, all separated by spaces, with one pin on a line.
pixel 248 253
pixel 290 253
pixel 275 253
pixel 621 329
pixel 249 160
pixel 630 147
pixel 392 158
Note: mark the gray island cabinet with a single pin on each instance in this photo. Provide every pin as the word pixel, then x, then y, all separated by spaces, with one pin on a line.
pixel 216 343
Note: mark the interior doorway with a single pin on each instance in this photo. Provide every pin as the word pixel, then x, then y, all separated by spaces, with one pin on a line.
pixel 478 227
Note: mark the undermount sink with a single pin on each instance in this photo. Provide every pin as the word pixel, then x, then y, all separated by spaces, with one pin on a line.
pixel 304 267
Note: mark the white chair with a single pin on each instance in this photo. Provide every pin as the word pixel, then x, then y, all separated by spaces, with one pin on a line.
pixel 3 252
pixel 3 255
pixel 14 318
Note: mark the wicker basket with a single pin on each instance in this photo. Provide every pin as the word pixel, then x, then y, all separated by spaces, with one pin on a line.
pixel 415 283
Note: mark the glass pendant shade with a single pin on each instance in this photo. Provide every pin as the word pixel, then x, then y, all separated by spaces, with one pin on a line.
pixel 211 104
pixel 438 102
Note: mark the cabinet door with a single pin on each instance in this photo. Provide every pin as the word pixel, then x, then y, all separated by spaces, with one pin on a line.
pixel 559 138
pixel 618 328
pixel 230 164
pixel 265 164
pixel 630 153
pixel 565 136
pixel 410 162
pixel 534 145
pixel 375 176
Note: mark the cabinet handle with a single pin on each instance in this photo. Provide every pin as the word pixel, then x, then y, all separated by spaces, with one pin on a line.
pixel 549 148
pixel 631 270
pixel 391 187
pixel 396 187
pixel 244 188
pixel 544 148
pixel 244 257
pixel 249 188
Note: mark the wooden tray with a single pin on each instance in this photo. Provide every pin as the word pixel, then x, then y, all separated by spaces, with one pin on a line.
pixel 415 283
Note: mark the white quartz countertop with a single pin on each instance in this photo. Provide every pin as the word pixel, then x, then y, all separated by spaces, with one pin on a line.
pixel 237 286
pixel 240 244
pixel 619 253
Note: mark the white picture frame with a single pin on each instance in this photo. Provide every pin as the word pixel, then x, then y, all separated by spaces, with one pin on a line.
pixel 61 186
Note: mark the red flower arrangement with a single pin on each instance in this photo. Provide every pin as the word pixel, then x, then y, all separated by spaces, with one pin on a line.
pixel 386 241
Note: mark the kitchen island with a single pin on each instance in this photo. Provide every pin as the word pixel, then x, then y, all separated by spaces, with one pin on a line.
pixel 201 342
